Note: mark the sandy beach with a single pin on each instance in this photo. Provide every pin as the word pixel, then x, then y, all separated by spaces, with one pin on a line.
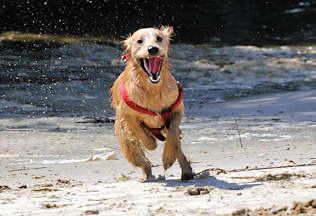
pixel 55 165
pixel 248 71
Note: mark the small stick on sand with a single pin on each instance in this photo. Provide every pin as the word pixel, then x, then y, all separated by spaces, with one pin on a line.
pixel 23 169
pixel 241 145
pixel 255 168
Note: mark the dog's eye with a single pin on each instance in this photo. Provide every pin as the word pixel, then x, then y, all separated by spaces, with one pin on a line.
pixel 159 39
pixel 140 41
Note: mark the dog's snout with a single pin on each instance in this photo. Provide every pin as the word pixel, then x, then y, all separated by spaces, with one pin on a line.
pixel 153 50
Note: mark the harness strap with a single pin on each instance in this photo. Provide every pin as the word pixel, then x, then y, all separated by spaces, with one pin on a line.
pixel 131 103
pixel 125 58
pixel 156 132
pixel 164 115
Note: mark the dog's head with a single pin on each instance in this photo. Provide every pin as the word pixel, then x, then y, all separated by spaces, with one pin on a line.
pixel 148 48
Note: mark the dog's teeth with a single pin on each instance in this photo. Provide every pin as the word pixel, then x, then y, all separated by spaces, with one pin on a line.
pixel 154 80
pixel 146 67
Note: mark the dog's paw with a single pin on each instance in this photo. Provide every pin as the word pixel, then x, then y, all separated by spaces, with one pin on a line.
pixel 187 176
pixel 150 143
pixel 151 178
pixel 161 178
pixel 168 161
pixel 168 157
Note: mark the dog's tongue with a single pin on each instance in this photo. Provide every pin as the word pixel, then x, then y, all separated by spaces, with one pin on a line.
pixel 154 64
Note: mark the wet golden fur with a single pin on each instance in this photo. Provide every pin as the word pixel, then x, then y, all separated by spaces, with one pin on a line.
pixel 132 135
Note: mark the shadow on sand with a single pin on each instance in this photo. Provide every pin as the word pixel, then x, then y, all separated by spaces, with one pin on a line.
pixel 207 180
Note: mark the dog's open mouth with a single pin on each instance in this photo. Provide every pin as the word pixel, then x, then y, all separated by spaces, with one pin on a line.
pixel 152 66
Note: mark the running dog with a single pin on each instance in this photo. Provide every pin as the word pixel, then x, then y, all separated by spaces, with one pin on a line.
pixel 148 102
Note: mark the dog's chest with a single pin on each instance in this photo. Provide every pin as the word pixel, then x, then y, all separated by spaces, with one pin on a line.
pixel 159 100
pixel 156 102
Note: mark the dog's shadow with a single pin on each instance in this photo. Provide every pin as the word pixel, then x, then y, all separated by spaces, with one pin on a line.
pixel 207 180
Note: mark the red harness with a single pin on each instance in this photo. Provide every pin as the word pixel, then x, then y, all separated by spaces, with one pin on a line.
pixel 125 58
pixel 164 114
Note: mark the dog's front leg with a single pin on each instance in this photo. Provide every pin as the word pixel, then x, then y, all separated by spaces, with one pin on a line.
pixel 172 148
pixel 138 131
pixel 131 147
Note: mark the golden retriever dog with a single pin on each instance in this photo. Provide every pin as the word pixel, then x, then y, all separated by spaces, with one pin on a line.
pixel 148 102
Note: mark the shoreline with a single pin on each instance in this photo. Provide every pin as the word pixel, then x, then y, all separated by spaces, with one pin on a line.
pixel 293 105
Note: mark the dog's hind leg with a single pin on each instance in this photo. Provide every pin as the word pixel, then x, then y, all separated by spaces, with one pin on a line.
pixel 185 165
pixel 132 149
pixel 172 148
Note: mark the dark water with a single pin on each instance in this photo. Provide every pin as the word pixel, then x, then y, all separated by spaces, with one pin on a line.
pixel 214 21
pixel 74 79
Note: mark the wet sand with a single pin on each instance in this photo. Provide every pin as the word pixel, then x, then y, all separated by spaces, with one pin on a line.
pixel 47 164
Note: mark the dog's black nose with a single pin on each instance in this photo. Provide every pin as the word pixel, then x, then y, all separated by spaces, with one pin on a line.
pixel 153 50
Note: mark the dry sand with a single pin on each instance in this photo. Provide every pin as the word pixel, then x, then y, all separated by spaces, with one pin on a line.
pixel 55 166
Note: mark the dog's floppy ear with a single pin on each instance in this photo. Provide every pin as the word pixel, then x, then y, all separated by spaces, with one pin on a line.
pixel 127 43
pixel 167 30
